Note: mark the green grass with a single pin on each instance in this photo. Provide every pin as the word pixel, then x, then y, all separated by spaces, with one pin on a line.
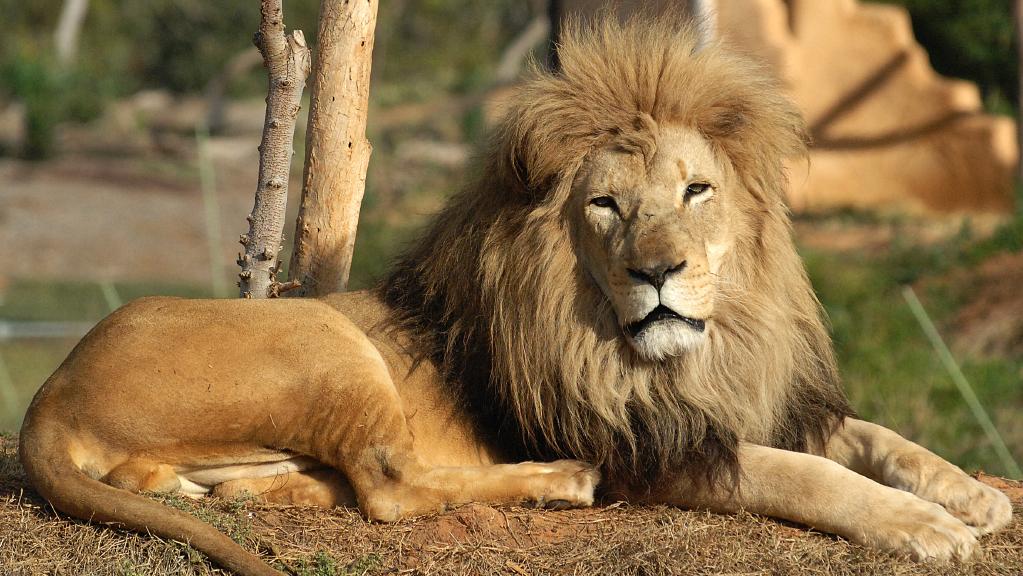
pixel 322 563
pixel 891 372
pixel 28 363
pixel 227 517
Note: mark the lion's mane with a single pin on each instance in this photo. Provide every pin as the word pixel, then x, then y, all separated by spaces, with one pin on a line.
pixel 493 293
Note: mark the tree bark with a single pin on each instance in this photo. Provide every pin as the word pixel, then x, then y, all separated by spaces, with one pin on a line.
pixel 68 29
pixel 287 61
pixel 515 54
pixel 337 151
pixel 1019 96
pixel 555 13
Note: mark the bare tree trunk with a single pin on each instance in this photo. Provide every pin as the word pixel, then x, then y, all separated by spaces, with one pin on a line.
pixel 337 151
pixel 68 28
pixel 215 94
pixel 287 61
pixel 705 13
pixel 555 13
pixel 515 54
pixel 1019 97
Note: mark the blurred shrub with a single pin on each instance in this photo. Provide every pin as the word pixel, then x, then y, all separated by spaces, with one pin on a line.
pixel 182 44
pixel 34 81
pixel 971 39
pixel 51 96
pixel 424 48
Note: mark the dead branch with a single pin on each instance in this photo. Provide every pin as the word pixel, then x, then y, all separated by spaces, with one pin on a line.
pixel 1019 103
pixel 337 151
pixel 515 54
pixel 287 61
pixel 69 28
pixel 239 64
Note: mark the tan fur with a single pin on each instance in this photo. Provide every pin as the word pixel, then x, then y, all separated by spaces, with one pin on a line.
pixel 521 327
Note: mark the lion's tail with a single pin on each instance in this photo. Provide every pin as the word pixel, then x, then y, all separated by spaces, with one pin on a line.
pixel 45 454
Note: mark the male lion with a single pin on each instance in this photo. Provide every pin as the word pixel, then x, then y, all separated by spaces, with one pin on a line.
pixel 618 287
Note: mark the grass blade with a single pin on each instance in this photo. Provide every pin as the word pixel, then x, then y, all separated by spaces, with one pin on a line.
pixel 961 382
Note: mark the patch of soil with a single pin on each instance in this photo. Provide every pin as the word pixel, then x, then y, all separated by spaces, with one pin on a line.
pixel 124 219
pixel 844 233
pixel 473 539
pixel 1012 488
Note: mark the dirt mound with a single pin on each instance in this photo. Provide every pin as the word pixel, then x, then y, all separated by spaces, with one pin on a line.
pixel 990 323
pixel 473 539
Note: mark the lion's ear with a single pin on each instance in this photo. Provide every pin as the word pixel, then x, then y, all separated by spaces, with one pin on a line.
pixel 541 138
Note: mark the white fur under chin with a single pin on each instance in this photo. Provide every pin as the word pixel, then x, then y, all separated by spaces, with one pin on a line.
pixel 667 339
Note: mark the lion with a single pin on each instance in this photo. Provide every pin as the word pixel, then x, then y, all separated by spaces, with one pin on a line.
pixel 612 309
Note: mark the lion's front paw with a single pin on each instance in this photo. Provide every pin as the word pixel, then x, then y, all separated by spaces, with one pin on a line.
pixel 978 505
pixel 923 530
pixel 565 483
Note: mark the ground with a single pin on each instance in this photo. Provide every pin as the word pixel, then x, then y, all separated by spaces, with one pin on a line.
pixel 473 539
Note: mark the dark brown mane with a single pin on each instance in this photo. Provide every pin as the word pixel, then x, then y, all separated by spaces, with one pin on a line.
pixel 494 296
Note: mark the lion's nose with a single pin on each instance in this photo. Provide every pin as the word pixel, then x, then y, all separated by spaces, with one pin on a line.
pixel 656 275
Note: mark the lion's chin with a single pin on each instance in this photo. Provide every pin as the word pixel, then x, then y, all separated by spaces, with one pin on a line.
pixel 666 339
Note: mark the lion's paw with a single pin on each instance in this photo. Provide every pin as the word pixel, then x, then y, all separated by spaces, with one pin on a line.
pixel 564 483
pixel 978 505
pixel 922 530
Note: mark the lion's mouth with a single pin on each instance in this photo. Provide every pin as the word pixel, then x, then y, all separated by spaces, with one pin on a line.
pixel 662 314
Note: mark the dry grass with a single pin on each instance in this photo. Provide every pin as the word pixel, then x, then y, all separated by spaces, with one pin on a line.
pixel 471 540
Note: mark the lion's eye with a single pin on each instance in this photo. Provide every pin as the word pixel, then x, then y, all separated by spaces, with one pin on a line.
pixel 696 188
pixel 605 202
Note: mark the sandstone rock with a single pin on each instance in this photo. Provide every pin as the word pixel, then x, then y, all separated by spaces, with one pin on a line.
pixel 890 133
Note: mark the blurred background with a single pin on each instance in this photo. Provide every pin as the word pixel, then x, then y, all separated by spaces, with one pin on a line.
pixel 128 135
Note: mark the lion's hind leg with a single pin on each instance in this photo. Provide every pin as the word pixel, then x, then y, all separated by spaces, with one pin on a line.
pixel 364 433
pixel 139 475
pixel 324 487
pixel 143 475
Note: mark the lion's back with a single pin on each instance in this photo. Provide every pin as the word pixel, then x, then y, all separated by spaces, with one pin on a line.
pixel 166 349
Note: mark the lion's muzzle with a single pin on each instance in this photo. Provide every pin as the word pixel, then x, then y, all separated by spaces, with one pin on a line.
pixel 663 314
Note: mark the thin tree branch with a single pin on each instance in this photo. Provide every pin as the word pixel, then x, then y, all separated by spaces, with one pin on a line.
pixel 287 61
pixel 69 28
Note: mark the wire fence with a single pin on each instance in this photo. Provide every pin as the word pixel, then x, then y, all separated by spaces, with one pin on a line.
pixel 12 399
pixel 8 394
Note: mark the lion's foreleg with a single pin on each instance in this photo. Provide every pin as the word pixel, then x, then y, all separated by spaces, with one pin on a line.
pixel 825 495
pixel 413 491
pixel 885 456
pixel 560 483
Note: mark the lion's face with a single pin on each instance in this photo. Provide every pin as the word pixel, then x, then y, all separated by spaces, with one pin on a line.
pixel 652 234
